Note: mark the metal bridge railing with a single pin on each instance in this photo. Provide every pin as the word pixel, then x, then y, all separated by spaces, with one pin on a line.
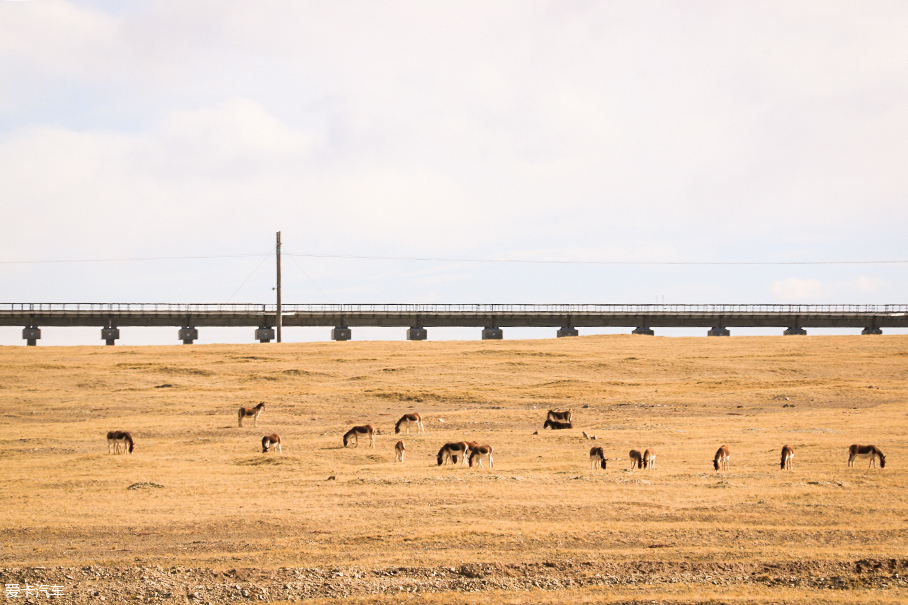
pixel 441 309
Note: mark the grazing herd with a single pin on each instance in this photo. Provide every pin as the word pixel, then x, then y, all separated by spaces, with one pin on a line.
pixel 464 452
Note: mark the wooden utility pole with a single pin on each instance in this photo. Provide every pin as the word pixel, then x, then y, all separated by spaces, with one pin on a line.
pixel 279 312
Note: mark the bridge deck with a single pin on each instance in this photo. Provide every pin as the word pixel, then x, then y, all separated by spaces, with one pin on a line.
pixel 437 315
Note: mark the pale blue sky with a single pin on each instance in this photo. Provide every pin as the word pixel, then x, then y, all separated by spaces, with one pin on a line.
pixel 658 131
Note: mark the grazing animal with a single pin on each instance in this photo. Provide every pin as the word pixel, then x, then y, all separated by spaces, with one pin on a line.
pixel 649 459
pixel 406 419
pixel 597 457
pixel 399 449
pixel 450 452
pixel 866 451
pixel 787 455
pixel 557 424
pixel 563 416
pixel 721 458
pixel 478 452
pixel 636 459
pixel 115 439
pixel 254 412
pixel 357 431
pixel 271 441
pixel 471 446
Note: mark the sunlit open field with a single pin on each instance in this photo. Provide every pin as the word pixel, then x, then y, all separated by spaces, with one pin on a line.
pixel 197 513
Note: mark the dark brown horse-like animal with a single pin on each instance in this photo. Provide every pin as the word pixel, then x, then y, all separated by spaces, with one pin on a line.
pixel 636 459
pixel 597 457
pixel 254 412
pixel 557 425
pixel 866 451
pixel 360 431
pixel 115 439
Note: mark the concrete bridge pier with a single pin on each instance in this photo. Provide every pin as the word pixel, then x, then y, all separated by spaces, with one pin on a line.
pixel 31 334
pixel 719 331
pixel 109 335
pixel 795 331
pixel 492 333
pixel 417 333
pixel 187 334
pixel 874 327
pixel 567 331
pixel 643 330
pixel 341 333
pixel 264 334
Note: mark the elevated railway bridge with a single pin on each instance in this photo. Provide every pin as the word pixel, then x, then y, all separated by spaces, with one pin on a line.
pixel 418 318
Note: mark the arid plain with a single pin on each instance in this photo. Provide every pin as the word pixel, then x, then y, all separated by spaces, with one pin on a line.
pixel 198 514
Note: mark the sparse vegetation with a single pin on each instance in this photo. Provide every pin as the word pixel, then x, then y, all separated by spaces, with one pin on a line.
pixel 199 509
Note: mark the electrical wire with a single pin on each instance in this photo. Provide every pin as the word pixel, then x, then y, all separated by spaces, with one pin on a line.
pixel 251 274
pixel 121 260
pixel 595 262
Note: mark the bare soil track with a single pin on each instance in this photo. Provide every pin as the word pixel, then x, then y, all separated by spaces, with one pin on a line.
pixel 198 514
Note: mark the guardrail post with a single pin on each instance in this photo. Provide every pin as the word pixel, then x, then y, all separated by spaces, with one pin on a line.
pixel 31 334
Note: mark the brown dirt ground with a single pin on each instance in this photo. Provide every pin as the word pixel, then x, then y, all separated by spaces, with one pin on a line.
pixel 197 514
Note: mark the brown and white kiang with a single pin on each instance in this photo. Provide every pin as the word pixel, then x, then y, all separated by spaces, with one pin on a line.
pixel 721 458
pixel 561 415
pixel 866 451
pixel 399 449
pixel 407 419
pixel 253 412
pixel 787 455
pixel 556 424
pixel 597 457
pixel 271 441
pixel 477 453
pixel 649 459
pixel 116 439
pixel 449 452
pixel 356 432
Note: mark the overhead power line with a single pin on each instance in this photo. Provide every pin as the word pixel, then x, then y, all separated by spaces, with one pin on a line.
pixel 595 262
pixel 121 260
pixel 441 259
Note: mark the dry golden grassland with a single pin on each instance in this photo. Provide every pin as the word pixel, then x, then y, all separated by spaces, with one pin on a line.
pixel 198 513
